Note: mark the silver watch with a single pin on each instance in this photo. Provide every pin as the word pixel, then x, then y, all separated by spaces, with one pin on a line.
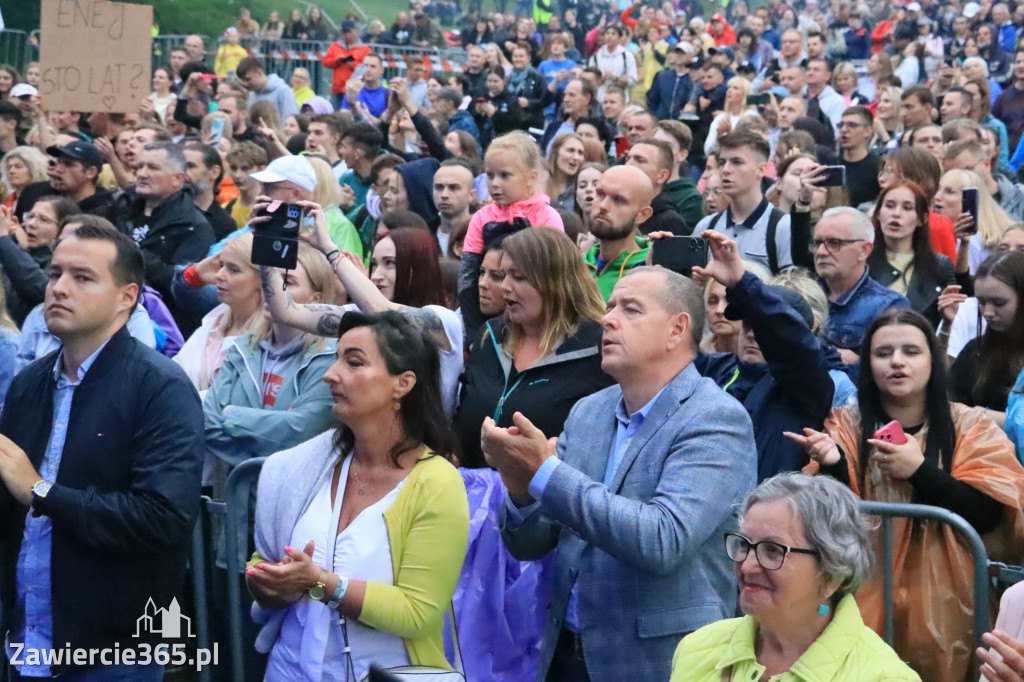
pixel 41 488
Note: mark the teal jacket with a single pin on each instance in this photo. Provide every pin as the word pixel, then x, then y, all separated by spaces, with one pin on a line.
pixel 237 425
pixel 847 651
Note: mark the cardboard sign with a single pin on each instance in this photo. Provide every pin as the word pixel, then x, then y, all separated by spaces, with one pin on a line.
pixel 95 55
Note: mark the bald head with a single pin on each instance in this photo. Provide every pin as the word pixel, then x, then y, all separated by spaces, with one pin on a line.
pixel 624 195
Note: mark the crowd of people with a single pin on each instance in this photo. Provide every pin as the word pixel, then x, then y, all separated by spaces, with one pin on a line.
pixel 590 348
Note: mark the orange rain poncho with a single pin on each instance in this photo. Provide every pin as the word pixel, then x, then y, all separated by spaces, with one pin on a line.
pixel 933 589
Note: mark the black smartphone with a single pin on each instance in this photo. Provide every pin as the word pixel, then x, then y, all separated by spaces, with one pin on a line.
pixel 275 243
pixel 758 99
pixel 680 254
pixel 969 204
pixel 835 176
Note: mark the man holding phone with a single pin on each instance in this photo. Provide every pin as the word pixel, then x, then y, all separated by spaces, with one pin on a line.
pixel 343 56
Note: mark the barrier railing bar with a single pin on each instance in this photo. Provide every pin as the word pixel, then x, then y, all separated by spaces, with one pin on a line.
pixel 887 562
pixel 974 542
pixel 199 588
pixel 239 486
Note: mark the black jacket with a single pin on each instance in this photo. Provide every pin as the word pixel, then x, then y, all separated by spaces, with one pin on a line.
pixel 97 204
pixel 544 393
pixel 507 117
pixel 126 495
pixel 24 276
pixel 177 233
pixel 220 220
pixel 534 88
pixel 665 217
pixel 923 290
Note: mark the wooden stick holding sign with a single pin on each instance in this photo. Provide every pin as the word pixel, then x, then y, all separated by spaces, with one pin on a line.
pixel 95 55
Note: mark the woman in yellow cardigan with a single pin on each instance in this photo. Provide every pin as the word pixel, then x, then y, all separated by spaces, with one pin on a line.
pixel 361 532
pixel 802 550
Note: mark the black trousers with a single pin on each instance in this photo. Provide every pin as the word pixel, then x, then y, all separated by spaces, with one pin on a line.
pixel 568 664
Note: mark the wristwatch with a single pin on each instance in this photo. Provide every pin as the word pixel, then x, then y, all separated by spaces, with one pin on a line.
pixel 41 488
pixel 319 588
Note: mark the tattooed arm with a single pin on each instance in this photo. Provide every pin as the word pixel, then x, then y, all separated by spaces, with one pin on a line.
pixel 365 294
pixel 312 318
pixel 325 320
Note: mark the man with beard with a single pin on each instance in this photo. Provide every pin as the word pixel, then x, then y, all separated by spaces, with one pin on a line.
pixel 624 195
pixel 204 170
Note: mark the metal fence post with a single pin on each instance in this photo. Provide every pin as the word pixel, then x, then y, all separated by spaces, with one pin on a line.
pixel 887 510
pixel 236 522
pixel 199 586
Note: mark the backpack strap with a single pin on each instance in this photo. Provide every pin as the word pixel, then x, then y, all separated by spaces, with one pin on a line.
pixel 773 224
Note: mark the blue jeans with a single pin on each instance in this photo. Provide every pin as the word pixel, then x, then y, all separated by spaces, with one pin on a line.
pixel 109 673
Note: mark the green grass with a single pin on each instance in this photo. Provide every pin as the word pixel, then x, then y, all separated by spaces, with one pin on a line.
pixel 212 17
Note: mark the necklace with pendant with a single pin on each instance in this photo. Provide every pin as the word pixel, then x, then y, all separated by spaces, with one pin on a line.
pixel 361 491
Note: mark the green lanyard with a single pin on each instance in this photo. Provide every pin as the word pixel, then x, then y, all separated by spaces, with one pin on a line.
pixel 507 391
pixel 735 375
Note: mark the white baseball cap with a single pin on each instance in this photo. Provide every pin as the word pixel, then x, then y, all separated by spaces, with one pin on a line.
pixel 970 9
pixel 23 89
pixel 914 7
pixel 294 169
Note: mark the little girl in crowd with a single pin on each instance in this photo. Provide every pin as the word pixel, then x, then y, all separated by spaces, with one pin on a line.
pixel 512 164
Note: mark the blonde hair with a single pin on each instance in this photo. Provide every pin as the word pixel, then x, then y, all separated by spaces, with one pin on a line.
pixel 33 159
pixel 523 147
pixel 748 89
pixel 240 247
pixel 552 265
pixel 800 281
pixel 328 192
pixel 321 279
pixel 993 221
pixel 5 317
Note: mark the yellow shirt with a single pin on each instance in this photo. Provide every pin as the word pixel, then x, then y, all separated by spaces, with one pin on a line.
pixel 240 212
pixel 904 262
pixel 228 57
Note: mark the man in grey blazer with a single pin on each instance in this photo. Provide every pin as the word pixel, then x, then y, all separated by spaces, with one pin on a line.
pixel 635 495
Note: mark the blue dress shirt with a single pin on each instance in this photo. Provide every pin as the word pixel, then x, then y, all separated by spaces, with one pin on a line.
pixel 34 606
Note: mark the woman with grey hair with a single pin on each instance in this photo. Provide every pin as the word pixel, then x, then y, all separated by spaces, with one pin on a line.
pixel 802 551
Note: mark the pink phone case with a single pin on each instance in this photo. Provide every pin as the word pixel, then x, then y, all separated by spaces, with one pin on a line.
pixel 891 433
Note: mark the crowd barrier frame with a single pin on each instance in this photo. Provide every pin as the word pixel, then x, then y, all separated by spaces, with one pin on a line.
pixel 889 510
pixel 16 49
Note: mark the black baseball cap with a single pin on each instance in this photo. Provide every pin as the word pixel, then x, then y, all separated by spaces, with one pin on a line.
pixel 79 150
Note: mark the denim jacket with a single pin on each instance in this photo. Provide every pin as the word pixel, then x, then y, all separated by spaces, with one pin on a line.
pixel 850 314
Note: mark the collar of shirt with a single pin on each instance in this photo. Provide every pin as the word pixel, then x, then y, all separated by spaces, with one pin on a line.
pixel 58 367
pixel 751 220
pixel 845 298
pixel 637 418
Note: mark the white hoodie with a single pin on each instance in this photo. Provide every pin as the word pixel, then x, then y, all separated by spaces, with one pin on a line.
pixel 619 62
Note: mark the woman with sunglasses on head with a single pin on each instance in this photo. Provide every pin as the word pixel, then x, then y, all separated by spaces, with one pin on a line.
pixel 952 457
pixel 802 551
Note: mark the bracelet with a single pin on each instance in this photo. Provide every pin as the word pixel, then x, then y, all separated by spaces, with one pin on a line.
pixel 192 277
pixel 337 255
pixel 339 593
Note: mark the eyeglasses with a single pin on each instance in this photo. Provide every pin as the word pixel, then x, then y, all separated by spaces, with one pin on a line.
pixel 39 217
pixel 849 124
pixel 769 555
pixel 831 244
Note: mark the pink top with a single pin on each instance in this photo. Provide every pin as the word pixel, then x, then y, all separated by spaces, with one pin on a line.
pixel 537 210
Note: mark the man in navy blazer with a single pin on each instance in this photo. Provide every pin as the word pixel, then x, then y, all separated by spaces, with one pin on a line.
pixel 635 495
pixel 100 466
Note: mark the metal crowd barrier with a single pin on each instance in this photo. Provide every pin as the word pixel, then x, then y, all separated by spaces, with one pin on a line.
pixel 888 510
pixel 16 50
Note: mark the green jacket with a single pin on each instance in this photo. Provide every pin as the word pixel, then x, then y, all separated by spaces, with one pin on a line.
pixel 613 271
pixel 847 651
pixel 343 232
pixel 690 202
